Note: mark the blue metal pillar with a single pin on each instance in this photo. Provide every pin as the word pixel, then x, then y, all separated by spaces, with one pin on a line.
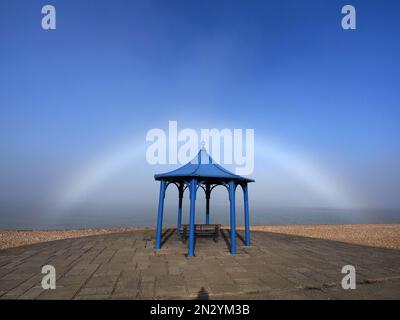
pixel 246 214
pixel 208 192
pixel 233 218
pixel 193 190
pixel 180 209
pixel 160 214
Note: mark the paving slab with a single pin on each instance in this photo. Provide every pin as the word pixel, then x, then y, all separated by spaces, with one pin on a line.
pixel 126 266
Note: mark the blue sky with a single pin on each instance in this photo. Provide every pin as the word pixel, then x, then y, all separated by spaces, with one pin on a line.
pixel 114 69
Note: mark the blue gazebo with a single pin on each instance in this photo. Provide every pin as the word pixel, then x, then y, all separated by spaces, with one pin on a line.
pixel 202 172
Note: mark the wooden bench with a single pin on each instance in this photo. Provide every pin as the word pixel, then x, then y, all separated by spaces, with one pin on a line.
pixel 201 230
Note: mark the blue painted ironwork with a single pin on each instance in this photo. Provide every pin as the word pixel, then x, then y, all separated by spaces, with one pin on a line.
pixel 246 214
pixel 202 172
pixel 208 193
pixel 193 190
pixel 160 213
pixel 232 189
pixel 181 190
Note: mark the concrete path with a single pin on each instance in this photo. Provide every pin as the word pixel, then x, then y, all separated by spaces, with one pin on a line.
pixel 125 266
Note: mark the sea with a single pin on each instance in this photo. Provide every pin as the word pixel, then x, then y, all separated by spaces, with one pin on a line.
pixel 31 218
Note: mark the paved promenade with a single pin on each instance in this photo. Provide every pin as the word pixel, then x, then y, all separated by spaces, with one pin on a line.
pixel 125 266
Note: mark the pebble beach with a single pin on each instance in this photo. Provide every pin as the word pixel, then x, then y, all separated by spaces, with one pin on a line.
pixel 375 235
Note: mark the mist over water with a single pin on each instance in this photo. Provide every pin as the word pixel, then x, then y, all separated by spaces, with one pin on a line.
pixel 125 216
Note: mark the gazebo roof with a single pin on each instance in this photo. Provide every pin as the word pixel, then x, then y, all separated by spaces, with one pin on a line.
pixel 202 166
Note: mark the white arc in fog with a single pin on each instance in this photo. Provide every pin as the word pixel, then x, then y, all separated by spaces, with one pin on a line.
pixel 322 184
pixel 86 180
pixel 311 175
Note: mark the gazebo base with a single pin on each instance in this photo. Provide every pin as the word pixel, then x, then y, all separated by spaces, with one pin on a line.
pixel 201 230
